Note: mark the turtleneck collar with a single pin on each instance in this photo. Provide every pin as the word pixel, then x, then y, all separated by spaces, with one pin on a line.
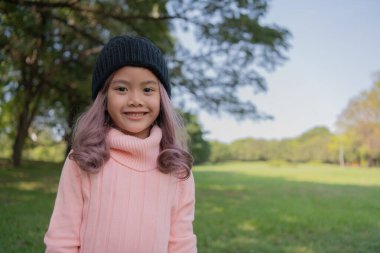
pixel 133 152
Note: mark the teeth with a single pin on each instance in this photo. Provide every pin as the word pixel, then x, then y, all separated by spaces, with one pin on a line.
pixel 135 114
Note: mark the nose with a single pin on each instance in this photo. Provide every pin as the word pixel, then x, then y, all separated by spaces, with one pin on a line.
pixel 134 98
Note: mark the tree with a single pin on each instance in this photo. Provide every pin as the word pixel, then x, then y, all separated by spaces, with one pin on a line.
pixel 48 50
pixel 249 149
pixel 361 119
pixel 346 148
pixel 313 145
pixel 199 147
pixel 219 152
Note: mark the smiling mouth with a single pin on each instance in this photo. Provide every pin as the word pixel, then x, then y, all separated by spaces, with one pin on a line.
pixel 135 114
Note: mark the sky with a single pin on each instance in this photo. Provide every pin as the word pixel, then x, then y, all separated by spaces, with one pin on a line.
pixel 335 55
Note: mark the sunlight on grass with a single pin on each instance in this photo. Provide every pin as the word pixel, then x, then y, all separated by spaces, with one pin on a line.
pixel 243 240
pixel 288 218
pixel 215 209
pixel 301 249
pixel 247 226
pixel 28 186
pixel 318 173
pixel 218 187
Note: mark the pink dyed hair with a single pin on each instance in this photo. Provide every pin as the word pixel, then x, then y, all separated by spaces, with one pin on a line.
pixel 90 149
pixel 174 156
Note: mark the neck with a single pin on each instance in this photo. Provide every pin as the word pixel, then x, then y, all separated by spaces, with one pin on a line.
pixel 133 152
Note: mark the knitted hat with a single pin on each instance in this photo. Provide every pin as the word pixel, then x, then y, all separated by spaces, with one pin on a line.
pixel 127 50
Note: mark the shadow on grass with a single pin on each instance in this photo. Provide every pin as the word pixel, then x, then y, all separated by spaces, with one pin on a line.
pixel 243 213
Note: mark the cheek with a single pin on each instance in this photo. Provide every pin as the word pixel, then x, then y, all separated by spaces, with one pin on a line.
pixel 158 107
pixel 112 106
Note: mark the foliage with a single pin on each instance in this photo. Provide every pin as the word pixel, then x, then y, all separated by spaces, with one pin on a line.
pixel 360 122
pixel 48 48
pixel 241 207
pixel 313 146
pixel 248 150
pixel 310 146
pixel 199 147
pixel 6 146
pixel 42 146
pixel 232 43
pixel 219 152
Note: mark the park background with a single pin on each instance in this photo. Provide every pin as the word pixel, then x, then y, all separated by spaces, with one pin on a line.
pixel 281 101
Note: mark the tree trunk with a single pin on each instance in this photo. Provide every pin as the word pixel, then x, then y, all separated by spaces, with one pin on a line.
pixel 21 135
pixel 341 156
pixel 32 83
pixel 28 112
pixel 23 124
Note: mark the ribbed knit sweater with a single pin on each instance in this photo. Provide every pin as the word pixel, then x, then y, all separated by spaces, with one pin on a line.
pixel 129 206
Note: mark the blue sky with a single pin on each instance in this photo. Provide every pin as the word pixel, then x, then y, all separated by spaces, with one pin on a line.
pixel 335 55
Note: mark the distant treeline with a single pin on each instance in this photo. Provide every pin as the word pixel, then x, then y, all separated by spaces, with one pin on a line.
pixel 315 145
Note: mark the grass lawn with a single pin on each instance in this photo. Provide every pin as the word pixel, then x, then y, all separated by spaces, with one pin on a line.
pixel 241 207
pixel 253 207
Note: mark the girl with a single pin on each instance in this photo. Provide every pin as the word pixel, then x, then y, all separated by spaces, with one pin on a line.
pixel 127 184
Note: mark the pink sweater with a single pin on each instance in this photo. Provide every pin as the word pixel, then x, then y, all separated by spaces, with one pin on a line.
pixel 129 206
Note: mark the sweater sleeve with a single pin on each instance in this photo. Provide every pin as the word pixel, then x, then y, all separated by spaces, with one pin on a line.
pixel 63 235
pixel 182 238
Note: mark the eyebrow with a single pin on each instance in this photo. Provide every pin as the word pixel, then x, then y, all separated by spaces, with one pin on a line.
pixel 127 82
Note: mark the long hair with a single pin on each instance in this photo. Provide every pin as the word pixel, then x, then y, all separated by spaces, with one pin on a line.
pixel 89 146
pixel 90 149
pixel 174 156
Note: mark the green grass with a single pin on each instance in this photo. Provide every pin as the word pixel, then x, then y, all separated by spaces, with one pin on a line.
pixel 27 197
pixel 246 207
pixel 241 207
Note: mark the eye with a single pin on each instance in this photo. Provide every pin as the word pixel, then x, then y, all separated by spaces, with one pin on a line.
pixel 148 89
pixel 121 89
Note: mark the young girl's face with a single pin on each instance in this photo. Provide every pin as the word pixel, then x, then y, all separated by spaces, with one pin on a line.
pixel 133 100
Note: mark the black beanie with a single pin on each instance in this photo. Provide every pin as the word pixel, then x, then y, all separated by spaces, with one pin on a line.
pixel 128 50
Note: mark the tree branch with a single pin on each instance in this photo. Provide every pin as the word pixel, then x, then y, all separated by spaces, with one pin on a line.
pixel 77 30
pixel 42 4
